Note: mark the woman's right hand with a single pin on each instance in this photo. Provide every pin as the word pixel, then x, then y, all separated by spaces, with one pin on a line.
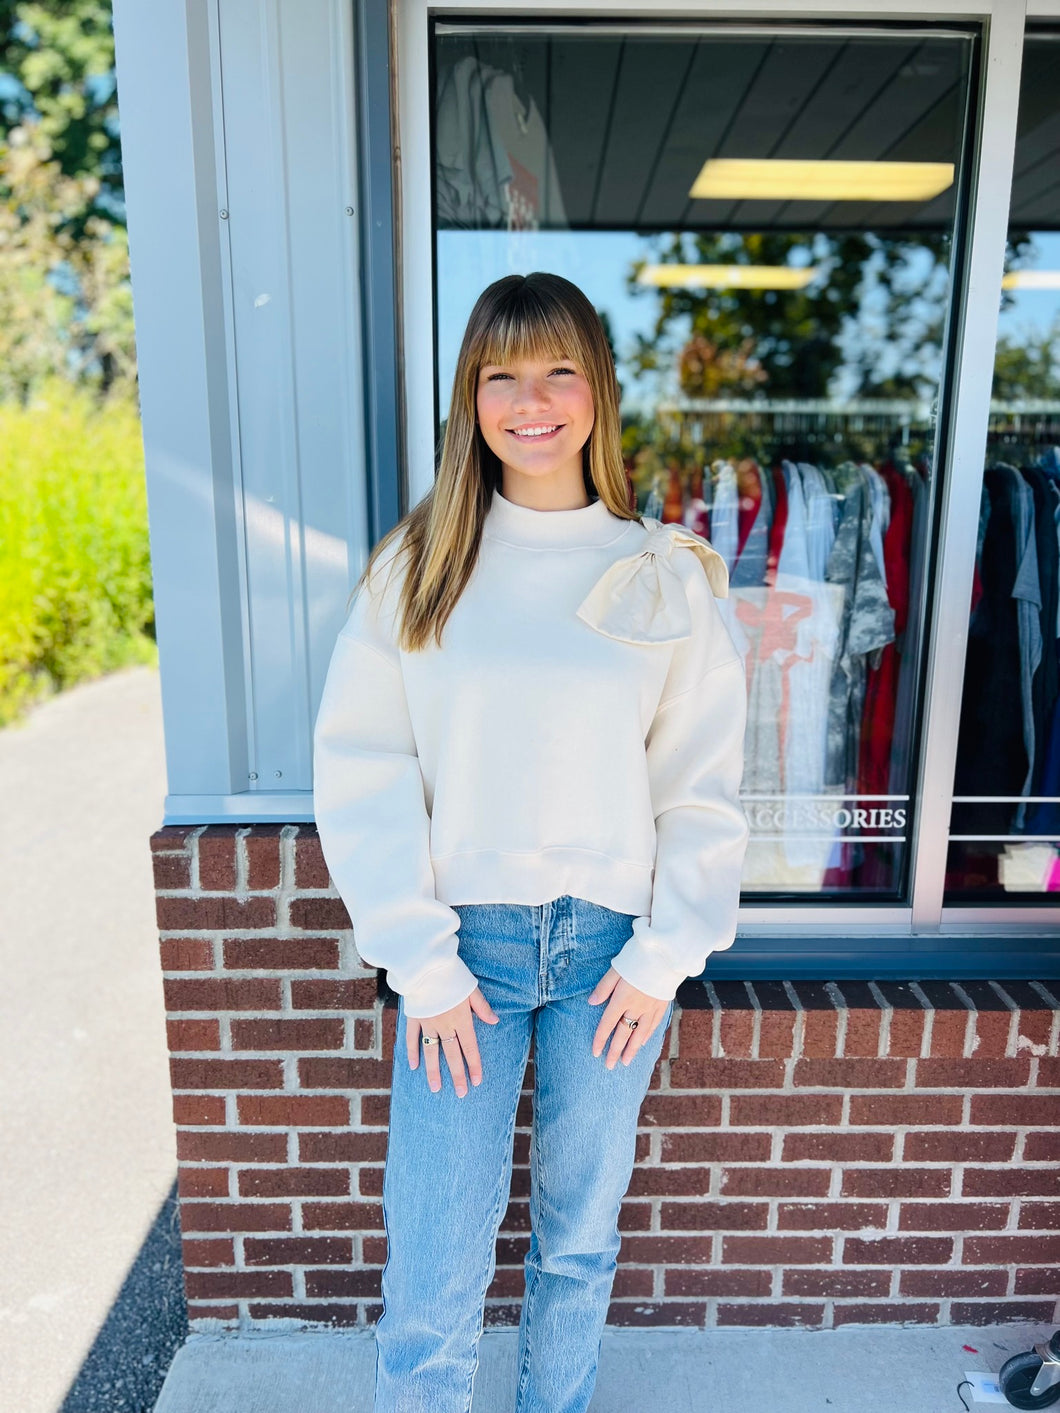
pixel 456 1029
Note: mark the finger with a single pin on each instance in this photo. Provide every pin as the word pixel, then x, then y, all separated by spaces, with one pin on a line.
pixel 604 987
pixel 412 1041
pixel 469 1045
pixel 455 1060
pixel 433 1067
pixel 621 1039
pixel 482 1008
pixel 608 1021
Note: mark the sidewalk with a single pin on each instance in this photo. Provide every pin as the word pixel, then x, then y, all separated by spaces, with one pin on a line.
pixel 854 1369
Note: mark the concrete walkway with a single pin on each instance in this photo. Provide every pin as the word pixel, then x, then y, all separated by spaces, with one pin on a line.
pixel 89 1244
pixel 849 1370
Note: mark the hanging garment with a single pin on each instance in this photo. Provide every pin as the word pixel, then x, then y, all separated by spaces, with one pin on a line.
pixel 753 551
pixel 725 512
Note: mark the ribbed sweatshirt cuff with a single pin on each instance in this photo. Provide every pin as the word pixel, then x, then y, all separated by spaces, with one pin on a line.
pixel 439 989
pixel 645 968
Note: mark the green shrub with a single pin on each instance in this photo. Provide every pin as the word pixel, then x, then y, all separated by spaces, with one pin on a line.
pixel 75 569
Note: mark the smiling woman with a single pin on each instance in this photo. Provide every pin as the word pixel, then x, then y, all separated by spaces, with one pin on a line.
pixel 535 416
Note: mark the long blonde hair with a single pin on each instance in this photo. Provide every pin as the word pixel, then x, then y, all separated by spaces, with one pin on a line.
pixel 539 315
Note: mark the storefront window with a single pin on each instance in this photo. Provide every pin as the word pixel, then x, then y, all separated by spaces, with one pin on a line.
pixel 765 222
pixel 1005 824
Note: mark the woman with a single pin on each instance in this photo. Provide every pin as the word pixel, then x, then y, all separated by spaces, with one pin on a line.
pixel 533 820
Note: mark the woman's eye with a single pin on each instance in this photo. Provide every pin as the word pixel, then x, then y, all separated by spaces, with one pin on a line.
pixel 490 377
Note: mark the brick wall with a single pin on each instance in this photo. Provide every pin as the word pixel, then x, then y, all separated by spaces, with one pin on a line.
pixel 811 1154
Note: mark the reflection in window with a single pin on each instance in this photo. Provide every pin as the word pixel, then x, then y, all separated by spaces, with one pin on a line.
pixel 765 223
pixel 1005 827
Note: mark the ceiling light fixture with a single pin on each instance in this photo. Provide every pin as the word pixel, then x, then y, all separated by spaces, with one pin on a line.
pixel 769 179
pixel 728 276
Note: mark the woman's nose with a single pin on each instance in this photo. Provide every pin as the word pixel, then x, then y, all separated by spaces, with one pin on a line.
pixel 532 392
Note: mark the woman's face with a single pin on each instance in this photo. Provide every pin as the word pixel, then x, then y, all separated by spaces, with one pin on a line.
pixel 536 417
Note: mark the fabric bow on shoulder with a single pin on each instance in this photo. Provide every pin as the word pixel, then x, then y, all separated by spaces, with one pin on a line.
pixel 641 597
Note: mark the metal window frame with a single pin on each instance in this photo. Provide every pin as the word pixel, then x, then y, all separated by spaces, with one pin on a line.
pixel 924 937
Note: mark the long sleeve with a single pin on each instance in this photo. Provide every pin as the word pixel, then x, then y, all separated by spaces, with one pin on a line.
pixel 372 817
pixel 694 751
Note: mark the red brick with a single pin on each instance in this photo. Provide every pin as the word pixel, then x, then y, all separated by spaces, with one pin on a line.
pixel 775 1182
pixel 370 1183
pixel 208 1251
pixel 820 1019
pixel 221 993
pixel 375 1110
pixel 193 1034
pixel 862 1018
pixel 172 838
pixel 949 1020
pixel 1020 1181
pixel 341 1146
pixel 219 912
pixel 714 1216
pixel 998 1312
pixel 721 1281
pixel 294 1182
pixel 686 1313
pixel 1041 1147
pixel 199 1310
pixel 897 1250
pixel 1040 1280
pixel 235 1217
pixel 681 1110
pixel 849 1074
pixel 363 1033
pixel 635 1282
pixel 884 1110
pixel 293 1110
pixel 231 1284
pixel 341 1072
pixel 667 1250
pixel 517 1217
pixel 1040 1216
pixel 1049 1072
pixel 232 1147
pixel 715 1147
pixel 217 858
pixel 830 1216
pixel 776 1250
pixel 374 1249
pixel 653 1181
pixel 785 1110
pixel 342 1216
pixel 776 1039
pixel 768 1313
pixel 953 1216
pixel 735 1019
pixel 202 1182
pixel 319 914
pixel 196 1109
pixel 226 1074
pixel 1011 1251
pixel 837 1283
pixel 634 1216
pixel 977 1073
pixel 991 1021
pixel 315 1312
pixel 896 1182
pixel 501 1316
pixel 907 1015
pixel 298 1250
pixel 839 1147
pixel 893 1313
pixel 727 1074
pixel 509 1282
pixel 186 953
pixel 351 993
pixel 262 845
pixel 342 1283
pixel 1006 1110
pixel 310 870
pixel 329 1034
pixel 171 871
pixel 695 1034
pixel 947 1283
pixel 961 1147
pixel 280 953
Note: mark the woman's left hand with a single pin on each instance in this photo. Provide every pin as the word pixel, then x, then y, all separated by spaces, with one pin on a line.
pixel 626 1003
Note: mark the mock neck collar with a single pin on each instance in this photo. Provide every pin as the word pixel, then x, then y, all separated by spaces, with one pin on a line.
pixel 514 524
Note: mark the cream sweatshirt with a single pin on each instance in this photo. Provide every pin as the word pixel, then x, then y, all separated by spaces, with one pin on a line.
pixel 580 731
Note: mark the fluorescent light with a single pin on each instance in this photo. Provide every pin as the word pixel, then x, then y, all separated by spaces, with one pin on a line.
pixel 751 179
pixel 729 276
pixel 1031 279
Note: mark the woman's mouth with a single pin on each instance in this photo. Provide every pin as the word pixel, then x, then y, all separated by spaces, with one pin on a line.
pixel 536 431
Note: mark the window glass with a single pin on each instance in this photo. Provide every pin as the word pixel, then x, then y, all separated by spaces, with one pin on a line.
pixel 1005 824
pixel 764 221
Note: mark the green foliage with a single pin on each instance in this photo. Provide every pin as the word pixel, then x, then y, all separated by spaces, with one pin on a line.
pixel 75 572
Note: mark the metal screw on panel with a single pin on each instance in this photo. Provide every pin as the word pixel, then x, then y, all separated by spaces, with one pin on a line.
pixel 224 214
pixel 253 775
pixel 278 774
pixel 349 210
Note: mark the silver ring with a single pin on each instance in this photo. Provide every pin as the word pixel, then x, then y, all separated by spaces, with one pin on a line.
pixel 631 1023
pixel 444 1038
pixel 430 1040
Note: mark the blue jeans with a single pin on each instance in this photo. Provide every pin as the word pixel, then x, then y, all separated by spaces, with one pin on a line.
pixel 449 1165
